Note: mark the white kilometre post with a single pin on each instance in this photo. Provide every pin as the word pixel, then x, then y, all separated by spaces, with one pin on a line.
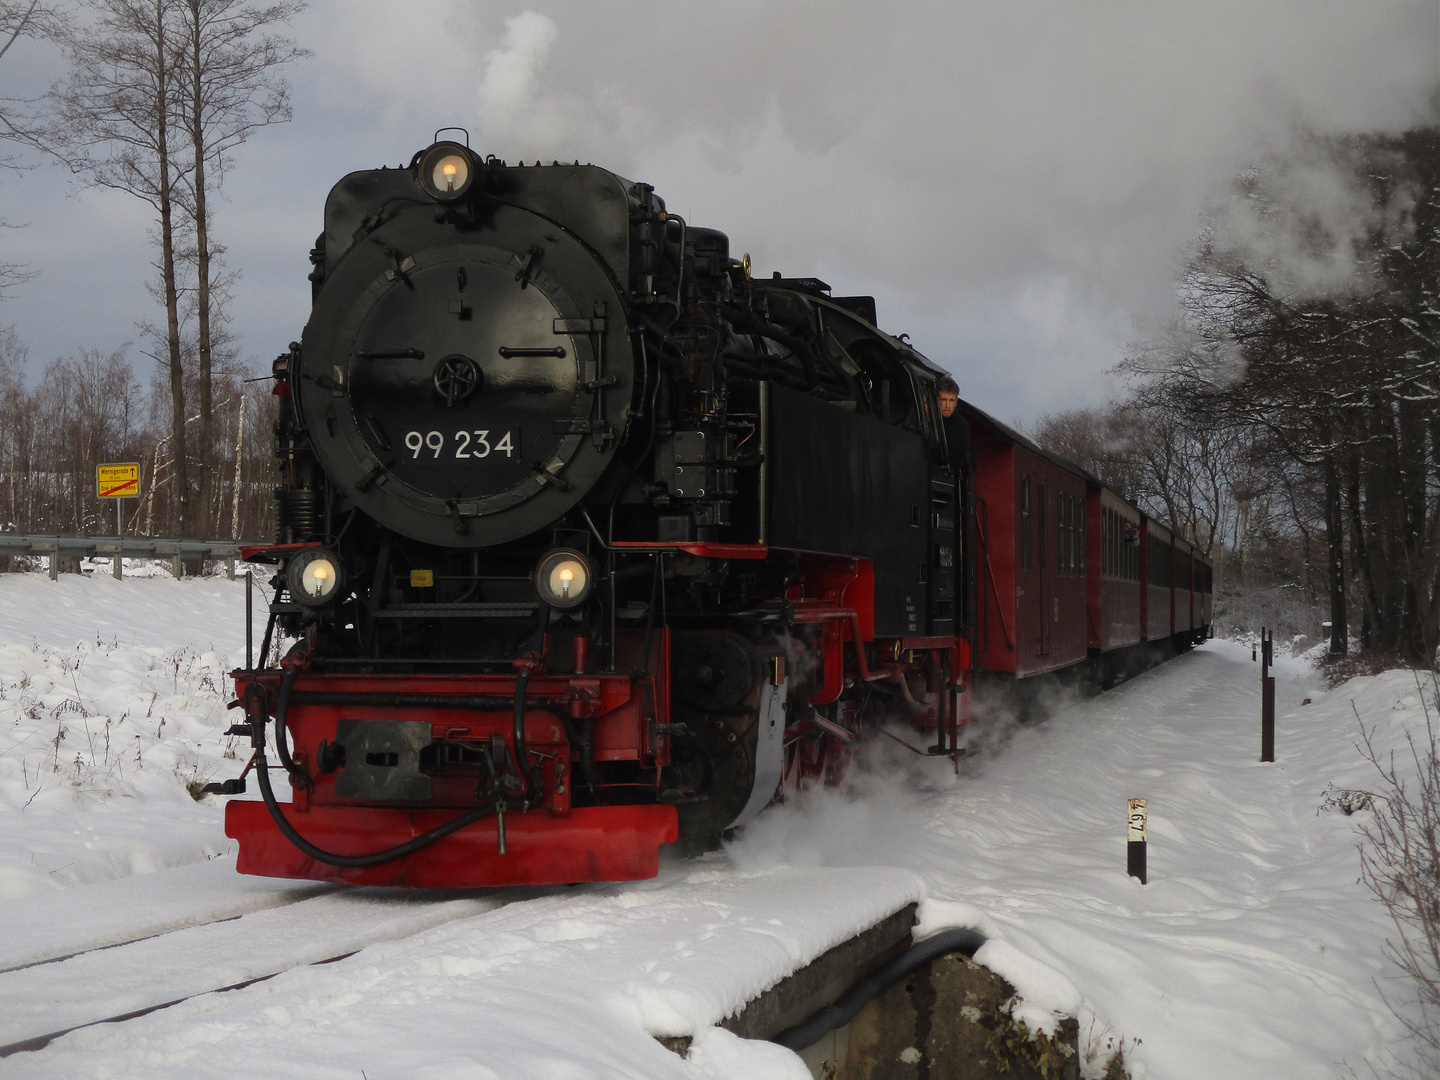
pixel 1135 840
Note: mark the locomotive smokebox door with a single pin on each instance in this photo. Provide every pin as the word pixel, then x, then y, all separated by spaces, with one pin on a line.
pixel 464 387
pixel 382 759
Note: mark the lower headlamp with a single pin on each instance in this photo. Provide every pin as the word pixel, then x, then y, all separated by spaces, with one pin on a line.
pixel 564 578
pixel 314 577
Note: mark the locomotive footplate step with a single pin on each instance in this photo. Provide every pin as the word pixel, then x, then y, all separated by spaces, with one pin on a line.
pixel 602 843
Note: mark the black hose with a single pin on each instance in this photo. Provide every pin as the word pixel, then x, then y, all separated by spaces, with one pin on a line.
pixel 298 776
pixel 262 773
pixel 811 1031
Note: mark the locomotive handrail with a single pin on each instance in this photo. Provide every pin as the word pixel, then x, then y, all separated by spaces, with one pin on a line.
pixel 59 545
pixel 704 548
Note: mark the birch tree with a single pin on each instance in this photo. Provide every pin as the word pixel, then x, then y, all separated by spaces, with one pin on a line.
pixel 115 119
pixel 17 19
pixel 159 95
pixel 232 62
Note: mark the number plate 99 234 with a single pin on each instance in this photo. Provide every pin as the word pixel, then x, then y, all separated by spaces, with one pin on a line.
pixel 437 447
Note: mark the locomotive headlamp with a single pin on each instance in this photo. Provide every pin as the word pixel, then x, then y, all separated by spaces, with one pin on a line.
pixel 446 170
pixel 563 578
pixel 314 578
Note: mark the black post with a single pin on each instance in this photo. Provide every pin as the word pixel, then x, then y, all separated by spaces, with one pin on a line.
pixel 1267 698
pixel 1135 840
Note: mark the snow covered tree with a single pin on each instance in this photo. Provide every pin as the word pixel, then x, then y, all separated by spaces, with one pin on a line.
pixel 1312 319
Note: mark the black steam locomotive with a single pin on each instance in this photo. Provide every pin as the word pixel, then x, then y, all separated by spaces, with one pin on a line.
pixel 591 541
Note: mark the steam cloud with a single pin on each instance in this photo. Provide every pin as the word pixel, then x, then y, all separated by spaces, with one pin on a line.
pixel 1307 220
pixel 1013 182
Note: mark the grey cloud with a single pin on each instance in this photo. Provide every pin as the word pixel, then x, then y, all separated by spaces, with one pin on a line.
pixel 1014 180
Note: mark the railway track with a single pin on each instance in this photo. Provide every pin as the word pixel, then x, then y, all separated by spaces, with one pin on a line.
pixel 365 973
pixel 45 928
pixel 88 963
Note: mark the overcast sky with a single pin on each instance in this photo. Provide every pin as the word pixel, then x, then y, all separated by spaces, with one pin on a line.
pixel 1014 181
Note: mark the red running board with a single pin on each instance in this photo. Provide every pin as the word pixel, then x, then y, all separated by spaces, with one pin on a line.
pixel 602 843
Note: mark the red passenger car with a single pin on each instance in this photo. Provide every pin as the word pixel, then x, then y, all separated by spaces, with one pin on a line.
pixel 1069 576
pixel 1031 557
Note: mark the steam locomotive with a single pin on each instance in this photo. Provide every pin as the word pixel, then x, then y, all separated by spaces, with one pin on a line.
pixel 593 543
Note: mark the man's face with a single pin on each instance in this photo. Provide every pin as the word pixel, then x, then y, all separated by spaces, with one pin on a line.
pixel 948 401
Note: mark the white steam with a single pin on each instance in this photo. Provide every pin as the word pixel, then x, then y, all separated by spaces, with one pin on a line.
pixel 1307 219
pixel 1013 182
pixel 518 118
pixel 884 812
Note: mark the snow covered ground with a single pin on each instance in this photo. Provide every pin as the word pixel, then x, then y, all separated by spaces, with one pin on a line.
pixel 1252 952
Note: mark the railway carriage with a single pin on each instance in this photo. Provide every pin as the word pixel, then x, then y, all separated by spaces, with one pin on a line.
pixel 1205 587
pixel 1158 561
pixel 1184 592
pixel 1030 554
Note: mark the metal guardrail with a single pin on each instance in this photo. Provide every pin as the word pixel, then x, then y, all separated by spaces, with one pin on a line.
pixel 57 547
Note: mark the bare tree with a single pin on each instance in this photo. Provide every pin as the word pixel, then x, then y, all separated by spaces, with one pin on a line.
pixel 233 87
pixel 1173 466
pixel 17 19
pixel 115 119
pixel 1400 862
pixel 14 22
pixel 1340 378
pixel 91 408
pixel 1097 439
pixel 160 93
pixel 17 430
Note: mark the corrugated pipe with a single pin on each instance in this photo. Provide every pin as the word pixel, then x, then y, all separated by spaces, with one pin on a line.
pixel 811 1031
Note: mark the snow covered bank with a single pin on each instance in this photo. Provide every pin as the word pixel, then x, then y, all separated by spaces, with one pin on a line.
pixel 1252 952
pixel 112 702
pixel 1254 949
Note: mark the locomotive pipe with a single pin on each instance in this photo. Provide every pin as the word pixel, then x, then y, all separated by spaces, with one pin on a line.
pixel 377 589
pixel 433 701
pixel 811 1031
pixel 330 858
pixel 680 276
pixel 753 371
pixel 265 640
pixel 525 666
pixel 249 621
pixel 582 734
pixel 620 489
pixel 800 348
pixel 860 659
